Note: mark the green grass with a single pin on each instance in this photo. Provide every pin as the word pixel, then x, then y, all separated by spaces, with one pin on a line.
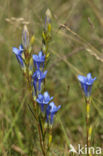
pixel 74 49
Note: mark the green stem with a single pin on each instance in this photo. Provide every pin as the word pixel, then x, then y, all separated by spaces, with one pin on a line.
pixel 87 122
pixel 28 78
pixel 41 141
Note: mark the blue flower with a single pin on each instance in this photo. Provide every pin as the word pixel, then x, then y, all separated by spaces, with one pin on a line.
pixel 43 100
pixel 39 59
pixel 86 83
pixel 38 77
pixel 51 110
pixel 18 53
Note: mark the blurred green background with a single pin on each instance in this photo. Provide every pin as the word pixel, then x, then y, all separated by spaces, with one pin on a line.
pixel 76 48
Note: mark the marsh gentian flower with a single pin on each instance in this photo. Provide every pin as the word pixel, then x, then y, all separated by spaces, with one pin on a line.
pixel 43 100
pixel 39 59
pixel 38 77
pixel 51 110
pixel 86 83
pixel 18 53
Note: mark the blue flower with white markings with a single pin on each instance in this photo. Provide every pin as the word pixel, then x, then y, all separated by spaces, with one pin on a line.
pixel 39 60
pixel 38 77
pixel 51 111
pixel 86 83
pixel 43 100
pixel 18 53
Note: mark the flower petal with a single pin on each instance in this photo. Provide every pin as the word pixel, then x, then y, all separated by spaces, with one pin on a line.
pixel 15 50
pixel 89 76
pixel 82 78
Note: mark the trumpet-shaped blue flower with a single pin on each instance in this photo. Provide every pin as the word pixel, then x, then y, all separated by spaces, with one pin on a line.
pixel 39 59
pixel 43 100
pixel 38 77
pixel 86 83
pixel 18 53
pixel 51 110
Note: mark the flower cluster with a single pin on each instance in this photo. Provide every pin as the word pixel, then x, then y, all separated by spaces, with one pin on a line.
pixel 38 76
pixel 32 65
pixel 48 108
pixel 33 69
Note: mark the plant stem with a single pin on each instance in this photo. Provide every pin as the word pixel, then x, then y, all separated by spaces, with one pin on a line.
pixel 36 115
pixel 41 141
pixel 87 122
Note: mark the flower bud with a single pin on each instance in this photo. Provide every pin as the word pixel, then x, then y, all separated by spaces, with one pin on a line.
pixel 48 19
pixel 25 37
pixel 32 40
pixel 48 15
pixel 50 138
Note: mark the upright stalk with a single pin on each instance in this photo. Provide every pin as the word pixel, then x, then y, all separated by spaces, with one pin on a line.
pixel 41 141
pixel 36 114
pixel 87 123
